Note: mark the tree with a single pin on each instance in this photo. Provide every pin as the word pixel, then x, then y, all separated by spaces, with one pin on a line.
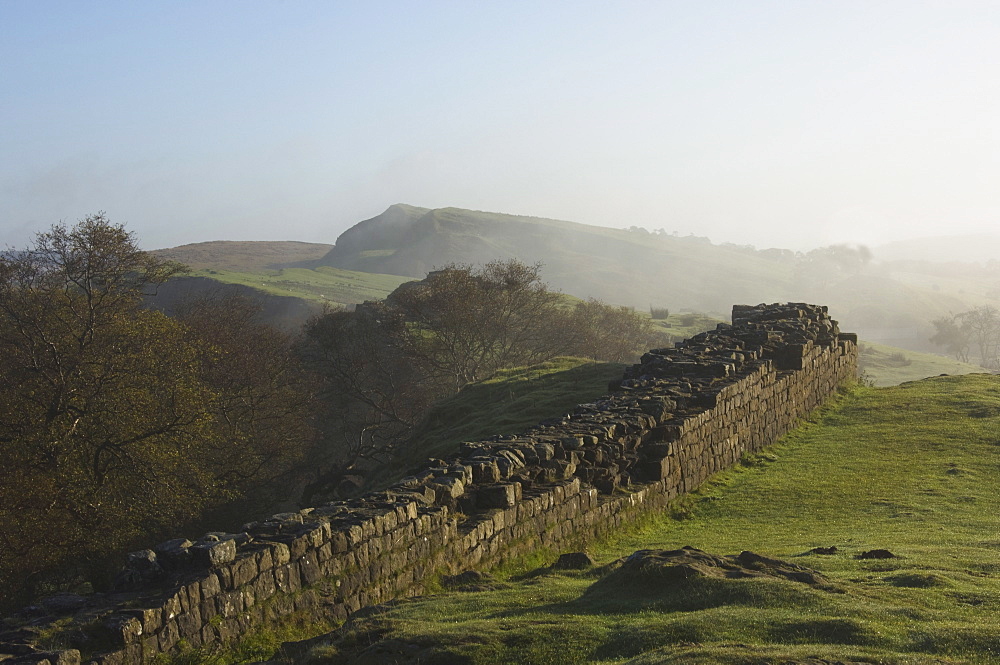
pixel 468 323
pixel 382 366
pixel 263 405
pixel 949 333
pixel 371 390
pixel 827 265
pixel 100 402
pixel 982 325
pixel 610 333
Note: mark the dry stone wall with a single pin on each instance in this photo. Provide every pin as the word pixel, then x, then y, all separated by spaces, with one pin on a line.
pixel 677 417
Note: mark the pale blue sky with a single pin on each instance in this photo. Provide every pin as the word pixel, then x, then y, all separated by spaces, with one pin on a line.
pixel 789 123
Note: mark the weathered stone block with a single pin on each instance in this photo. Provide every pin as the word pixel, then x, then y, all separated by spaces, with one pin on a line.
pixel 447 489
pixel 189 625
pixel 286 578
pixel 309 570
pixel 502 495
pixel 150 619
pixel 213 554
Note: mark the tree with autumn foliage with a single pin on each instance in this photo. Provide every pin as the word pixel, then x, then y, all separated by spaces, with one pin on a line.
pixel 117 422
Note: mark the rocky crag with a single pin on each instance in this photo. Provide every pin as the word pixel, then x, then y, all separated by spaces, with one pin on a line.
pixel 677 417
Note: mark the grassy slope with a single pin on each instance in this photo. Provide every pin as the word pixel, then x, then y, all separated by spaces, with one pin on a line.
pixel 890 366
pixel 507 404
pixel 908 468
pixel 323 284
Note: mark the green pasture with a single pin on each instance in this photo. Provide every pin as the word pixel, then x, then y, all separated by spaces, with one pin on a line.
pixel 888 366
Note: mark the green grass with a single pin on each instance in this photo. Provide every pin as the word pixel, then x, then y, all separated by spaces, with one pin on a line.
pixel 889 366
pixel 323 284
pixel 682 325
pixel 910 468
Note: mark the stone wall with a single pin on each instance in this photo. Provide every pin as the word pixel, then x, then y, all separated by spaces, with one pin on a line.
pixel 677 417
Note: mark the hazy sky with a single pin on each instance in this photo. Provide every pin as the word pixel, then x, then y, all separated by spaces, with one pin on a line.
pixel 790 124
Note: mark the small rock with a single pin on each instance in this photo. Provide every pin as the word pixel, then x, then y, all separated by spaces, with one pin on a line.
pixel 467 577
pixel 211 554
pixel 140 567
pixel 573 561
pixel 824 550
pixel 877 554
pixel 64 603
pixel 470 580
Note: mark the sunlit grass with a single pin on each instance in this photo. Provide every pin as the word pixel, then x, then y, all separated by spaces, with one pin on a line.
pixel 324 284
pixel 889 366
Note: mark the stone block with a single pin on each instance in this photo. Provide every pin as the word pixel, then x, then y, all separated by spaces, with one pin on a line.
pixel 244 570
pixel 447 489
pixel 189 625
pixel 150 619
pixel 484 472
pixel 210 585
pixel 501 495
pixel 309 570
pixel 174 554
pixel 654 469
pixel 214 554
pixel 168 636
pixel 171 607
pixel 286 578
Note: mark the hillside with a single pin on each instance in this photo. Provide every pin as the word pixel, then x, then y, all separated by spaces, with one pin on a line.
pixel 624 267
pixel 883 365
pixel 244 255
pixel 507 404
pixel 973 248
pixel 320 285
pixel 899 472
pixel 288 296
pixel 892 305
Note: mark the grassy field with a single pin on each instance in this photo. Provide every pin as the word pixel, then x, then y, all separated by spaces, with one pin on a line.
pixel 324 284
pixel 889 366
pixel 682 325
pixel 909 469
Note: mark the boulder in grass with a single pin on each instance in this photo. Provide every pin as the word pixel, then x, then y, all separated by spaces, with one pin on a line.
pixel 574 561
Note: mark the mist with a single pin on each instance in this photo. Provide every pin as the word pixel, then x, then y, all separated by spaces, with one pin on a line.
pixel 774 124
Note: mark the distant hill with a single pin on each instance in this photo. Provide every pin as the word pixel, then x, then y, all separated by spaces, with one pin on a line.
pixel 635 267
pixel 244 255
pixel 974 248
